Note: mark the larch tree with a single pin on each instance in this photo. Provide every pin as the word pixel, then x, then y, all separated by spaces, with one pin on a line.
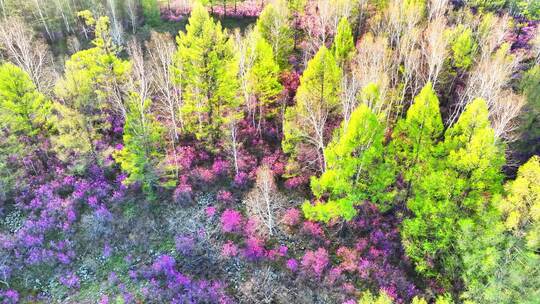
pixel 501 260
pixel 317 102
pixel 209 75
pixel 356 170
pixel 264 80
pixel 415 138
pixel 273 24
pixel 95 74
pixel 141 153
pixel 343 45
pixel 456 192
pixel 24 114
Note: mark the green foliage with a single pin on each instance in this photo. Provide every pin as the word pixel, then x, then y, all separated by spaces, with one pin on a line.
pixel 206 67
pixel 24 114
pixel 273 24
pixel 499 266
pixel 71 136
pixel 24 110
pixel 142 151
pixel 343 46
pixel 463 47
pixel 264 74
pixel 529 9
pixel 355 169
pixel 521 208
pixel 414 140
pixel 529 124
pixel 458 191
pixel 150 10
pixel 368 298
pixel 317 99
pixel 487 4
pixel 91 89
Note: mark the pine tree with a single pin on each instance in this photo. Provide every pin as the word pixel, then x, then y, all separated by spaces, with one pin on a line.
pixel 273 24
pixel 355 169
pixel 317 101
pixel 142 151
pixel 343 46
pixel 207 69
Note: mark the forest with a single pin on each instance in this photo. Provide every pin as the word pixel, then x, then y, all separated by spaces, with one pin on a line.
pixel 270 151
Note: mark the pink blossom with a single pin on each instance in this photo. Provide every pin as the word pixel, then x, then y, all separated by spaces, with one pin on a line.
pixel 210 211
pixel 291 217
pixel 315 261
pixel 225 196
pixel 231 221
pixel 229 249
pixel 292 264
pixel 254 248
pixel 313 229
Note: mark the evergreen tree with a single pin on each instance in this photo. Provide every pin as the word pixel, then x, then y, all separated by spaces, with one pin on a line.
pixel 150 10
pixel 264 77
pixel 24 114
pixel 91 91
pixel 414 140
pixel 355 169
pixel 343 46
pixel 142 151
pixel 207 68
pixel 273 24
pixel 463 47
pixel 24 110
pixel 452 194
pixel 317 101
pixel 500 257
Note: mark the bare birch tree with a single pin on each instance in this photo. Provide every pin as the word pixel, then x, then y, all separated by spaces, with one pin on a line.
pixel 168 95
pixel 435 48
pixel 264 202
pixel 488 79
pixel 503 114
pixel 27 52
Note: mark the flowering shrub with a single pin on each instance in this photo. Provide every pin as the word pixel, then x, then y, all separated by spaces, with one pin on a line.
pixel 70 280
pixel 254 249
pixel 184 244
pixel 292 265
pixel 225 196
pixel 9 296
pixel 167 285
pixel 315 261
pixel 231 221
pixel 313 229
pixel 291 217
pixel 229 250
